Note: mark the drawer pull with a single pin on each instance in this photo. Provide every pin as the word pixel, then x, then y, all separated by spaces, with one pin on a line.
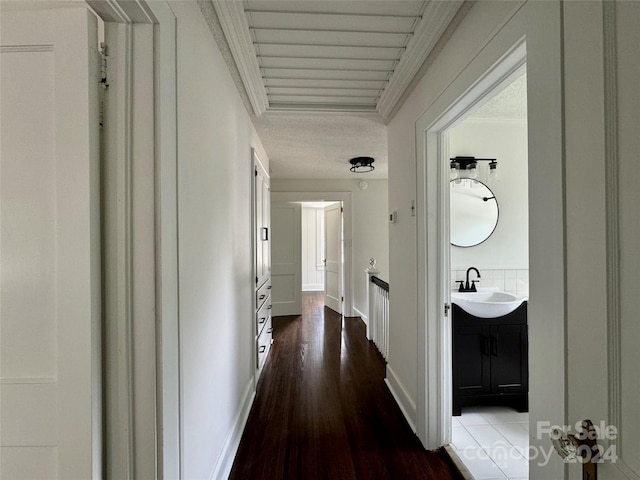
pixel 262 319
pixel 262 297
pixel 269 307
pixel 269 287
pixel 270 329
pixel 262 349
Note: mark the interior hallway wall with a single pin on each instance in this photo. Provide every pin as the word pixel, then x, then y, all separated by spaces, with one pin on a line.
pixel 215 137
pixel 370 225
pixel 478 26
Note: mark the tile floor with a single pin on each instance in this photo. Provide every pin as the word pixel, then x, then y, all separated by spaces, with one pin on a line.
pixel 492 442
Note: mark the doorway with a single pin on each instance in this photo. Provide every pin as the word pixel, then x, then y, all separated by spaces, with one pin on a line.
pixel 321 198
pixel 488 252
pixel 307 254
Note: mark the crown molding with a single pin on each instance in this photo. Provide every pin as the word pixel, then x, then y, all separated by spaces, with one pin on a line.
pixel 123 11
pixel 236 30
pixel 434 21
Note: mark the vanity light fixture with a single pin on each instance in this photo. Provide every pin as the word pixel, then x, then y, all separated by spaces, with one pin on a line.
pixel 466 167
pixel 361 164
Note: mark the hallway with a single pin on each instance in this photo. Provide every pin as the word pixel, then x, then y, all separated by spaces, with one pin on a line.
pixel 322 410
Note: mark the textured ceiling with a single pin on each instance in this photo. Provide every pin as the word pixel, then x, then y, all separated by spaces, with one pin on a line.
pixel 508 104
pixel 320 145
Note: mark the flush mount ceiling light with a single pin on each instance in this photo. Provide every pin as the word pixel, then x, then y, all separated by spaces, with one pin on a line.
pixel 361 164
pixel 466 167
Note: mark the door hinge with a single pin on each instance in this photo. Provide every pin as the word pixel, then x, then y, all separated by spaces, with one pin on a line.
pixel 447 307
pixel 104 54
pixel 256 280
pixel 342 299
pixel 341 209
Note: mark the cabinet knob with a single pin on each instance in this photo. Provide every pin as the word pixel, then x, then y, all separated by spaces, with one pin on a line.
pixel 262 297
pixel 262 349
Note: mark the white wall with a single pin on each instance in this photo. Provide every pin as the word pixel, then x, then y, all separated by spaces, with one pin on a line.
pixel 481 23
pixel 486 34
pixel 312 249
pixel 568 157
pixel 506 140
pixel 370 225
pixel 214 194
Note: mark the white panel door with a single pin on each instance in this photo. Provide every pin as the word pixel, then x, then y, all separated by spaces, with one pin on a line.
pixel 286 259
pixel 333 257
pixel 50 246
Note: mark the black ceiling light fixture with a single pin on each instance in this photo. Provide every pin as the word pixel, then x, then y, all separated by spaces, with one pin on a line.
pixel 465 167
pixel 361 164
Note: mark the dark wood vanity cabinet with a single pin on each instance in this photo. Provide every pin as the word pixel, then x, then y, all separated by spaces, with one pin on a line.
pixel 490 360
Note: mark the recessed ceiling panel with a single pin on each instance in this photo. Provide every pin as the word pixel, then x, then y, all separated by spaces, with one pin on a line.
pixel 288 35
pixel 376 85
pixel 355 75
pixel 378 7
pixel 317 51
pixel 327 64
pixel 320 21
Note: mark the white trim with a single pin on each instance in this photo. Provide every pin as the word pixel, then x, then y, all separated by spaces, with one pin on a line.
pixel 236 31
pixel 312 287
pixel 541 21
pixel 168 412
pixel 168 386
pixel 403 399
pixel 123 11
pixel 434 334
pixel 117 254
pixel 345 197
pixel 435 19
pixel 224 464
pixel 619 469
pixel 363 317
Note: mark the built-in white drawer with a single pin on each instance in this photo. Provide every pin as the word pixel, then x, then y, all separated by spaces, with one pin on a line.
pixel 263 293
pixel 263 316
pixel 264 343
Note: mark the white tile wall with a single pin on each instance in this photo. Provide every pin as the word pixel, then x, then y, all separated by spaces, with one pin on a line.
pixel 515 281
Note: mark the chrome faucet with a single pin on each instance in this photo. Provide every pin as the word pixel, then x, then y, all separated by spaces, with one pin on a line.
pixel 465 287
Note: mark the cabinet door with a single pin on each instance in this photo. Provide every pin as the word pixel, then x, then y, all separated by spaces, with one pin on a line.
pixel 266 223
pixel 262 225
pixel 471 362
pixel 509 359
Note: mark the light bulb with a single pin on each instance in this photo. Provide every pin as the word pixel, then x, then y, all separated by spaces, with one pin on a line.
pixel 493 172
pixel 472 171
pixel 453 171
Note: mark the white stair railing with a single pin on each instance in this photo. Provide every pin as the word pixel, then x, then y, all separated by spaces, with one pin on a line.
pixel 378 331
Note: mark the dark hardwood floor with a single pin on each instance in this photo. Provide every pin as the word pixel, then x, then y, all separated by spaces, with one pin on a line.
pixel 322 410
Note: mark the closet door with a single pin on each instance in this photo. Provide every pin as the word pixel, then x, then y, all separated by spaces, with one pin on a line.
pixel 50 293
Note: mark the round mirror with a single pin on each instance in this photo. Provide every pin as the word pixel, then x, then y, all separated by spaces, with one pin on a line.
pixel 474 212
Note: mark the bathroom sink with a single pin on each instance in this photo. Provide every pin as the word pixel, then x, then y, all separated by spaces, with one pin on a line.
pixel 486 304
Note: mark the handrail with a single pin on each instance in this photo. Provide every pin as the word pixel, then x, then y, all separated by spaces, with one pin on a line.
pixel 381 283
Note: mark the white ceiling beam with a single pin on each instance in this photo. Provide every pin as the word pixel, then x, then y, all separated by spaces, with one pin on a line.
pixel 430 28
pixel 236 30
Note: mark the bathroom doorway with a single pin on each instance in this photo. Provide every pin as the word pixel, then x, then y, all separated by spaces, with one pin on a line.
pixel 488 257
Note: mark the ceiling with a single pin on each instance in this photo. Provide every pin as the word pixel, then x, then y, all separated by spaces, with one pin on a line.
pixel 322 78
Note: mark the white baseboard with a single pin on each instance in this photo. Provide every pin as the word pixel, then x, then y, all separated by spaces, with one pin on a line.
pixel 404 401
pixel 225 460
pixel 362 316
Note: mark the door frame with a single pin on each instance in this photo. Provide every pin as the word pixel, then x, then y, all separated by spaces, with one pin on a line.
pixel 345 198
pixel 341 292
pixel 163 353
pixel 540 24
pixel 434 270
